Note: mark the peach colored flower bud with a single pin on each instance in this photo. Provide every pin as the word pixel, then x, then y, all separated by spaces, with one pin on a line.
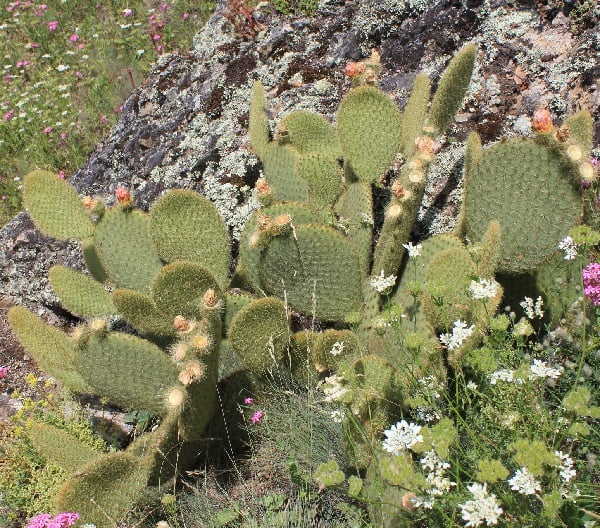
pixel 575 153
pixel 354 68
pixel 415 176
pixel 262 186
pixel 180 350
pixel 397 189
pixel 122 195
pixel 542 121
pixel 254 240
pixel 264 222
pixel 210 299
pixel 408 501
pixel 586 170
pixel 200 342
pixel 191 372
pixel 425 145
pixel 175 397
pixel 282 220
pixel 88 202
pixel 394 211
pixel 181 323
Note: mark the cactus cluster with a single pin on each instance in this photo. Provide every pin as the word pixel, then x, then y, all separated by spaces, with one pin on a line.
pixel 319 294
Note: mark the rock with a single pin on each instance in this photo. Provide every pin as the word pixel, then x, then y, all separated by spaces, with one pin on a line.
pixel 186 125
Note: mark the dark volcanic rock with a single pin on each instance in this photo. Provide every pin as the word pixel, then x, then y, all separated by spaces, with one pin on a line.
pixel 186 125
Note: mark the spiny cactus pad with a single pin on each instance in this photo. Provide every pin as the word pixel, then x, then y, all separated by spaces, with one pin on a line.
pixel 55 207
pixel 316 269
pixel 369 125
pixel 140 311
pixel 126 250
pixel 414 113
pixel 530 190
pixel 128 371
pixel 259 333
pixel 310 133
pixel 61 448
pixel 52 349
pixel 279 165
pixel 79 293
pixel 258 127
pixel 186 226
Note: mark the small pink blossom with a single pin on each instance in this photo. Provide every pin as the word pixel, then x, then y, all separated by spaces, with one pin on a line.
pixel 53 25
pixel 4 197
pixel 119 109
pixel 34 45
pixel 47 130
pixel 249 401
pixel 155 37
pixel 103 119
pixel 4 370
pixel 61 175
pixel 45 520
pixel 164 7
pixel 591 282
pixel 8 115
pixel 22 64
pixel 127 12
pixel 186 16
pixel 7 77
pixel 80 46
pixel 43 7
pixel 63 136
pixel 74 37
pixel 257 417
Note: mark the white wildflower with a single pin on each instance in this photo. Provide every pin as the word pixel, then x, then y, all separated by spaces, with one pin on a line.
pixel 482 508
pixel 337 415
pixel 569 247
pixel 539 369
pixel 424 502
pixel 565 465
pixel 337 348
pixel 537 309
pixel 333 389
pixel 366 219
pixel 382 283
pixel 413 251
pixel 505 375
pixel 483 288
pixel 524 482
pixel 401 436
pixel 471 385
pixel 460 332
pixel 532 311
pixel 436 467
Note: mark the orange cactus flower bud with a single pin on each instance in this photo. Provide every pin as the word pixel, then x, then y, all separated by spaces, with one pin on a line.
pixel 210 299
pixel 408 501
pixel 542 121
pixel 397 189
pixel 262 186
pixel 181 323
pixel 122 195
pixel 88 202
pixel 426 145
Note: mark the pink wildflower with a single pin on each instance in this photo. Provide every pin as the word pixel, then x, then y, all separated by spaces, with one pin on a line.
pixel 4 370
pixel 257 417
pixel 155 37
pixel 249 401
pixel 22 64
pixel 127 12
pixel 164 7
pixel 63 136
pixel 74 37
pixel 591 282
pixel 34 45
pixel 62 520
pixel 186 16
pixel 52 25
pixel 43 7
pixel 47 130
pixel 8 115
pixel 4 197
pixel 61 175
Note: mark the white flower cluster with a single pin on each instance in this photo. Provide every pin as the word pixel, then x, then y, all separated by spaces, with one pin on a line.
pixel 504 375
pixel 569 247
pixel 333 388
pixel 524 482
pixel 413 251
pixel 540 369
pixel 483 288
pixel 533 310
pixel 337 415
pixel 566 466
pixel 337 348
pixel 436 478
pixel 482 508
pixel 460 332
pixel 401 436
pixel 382 283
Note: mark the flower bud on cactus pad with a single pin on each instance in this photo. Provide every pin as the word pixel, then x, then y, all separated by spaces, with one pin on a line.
pixel 122 195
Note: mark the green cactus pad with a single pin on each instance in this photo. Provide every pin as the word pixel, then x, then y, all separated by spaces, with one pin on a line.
pixel 258 127
pixel 140 311
pixel 356 208
pixel 279 165
pixel 414 113
pixel 79 293
pixel 55 206
pixel 310 133
pixel 234 302
pixel 331 347
pixel 105 490
pixel 126 250
pixel 250 257
pixel 179 287
pixel 324 176
pixel 186 226
pixel 452 88
pixel 61 448
pixel 259 333
pixel 315 268
pixel 92 260
pixel 369 128
pixel 128 371
pixel 581 129
pixel 53 350
pixel 529 189
pixel 299 357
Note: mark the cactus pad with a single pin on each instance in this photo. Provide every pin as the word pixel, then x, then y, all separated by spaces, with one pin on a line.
pixel 279 165
pixel 140 311
pixel 310 133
